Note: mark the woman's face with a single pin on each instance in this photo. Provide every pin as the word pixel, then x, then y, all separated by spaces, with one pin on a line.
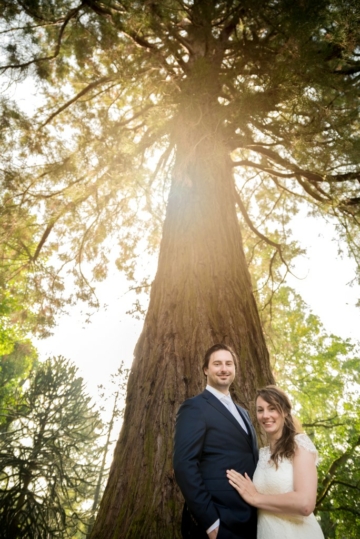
pixel 269 418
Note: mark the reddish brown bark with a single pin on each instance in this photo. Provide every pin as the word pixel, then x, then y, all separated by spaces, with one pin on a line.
pixel 201 295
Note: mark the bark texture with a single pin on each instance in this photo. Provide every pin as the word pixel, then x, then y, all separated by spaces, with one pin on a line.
pixel 201 295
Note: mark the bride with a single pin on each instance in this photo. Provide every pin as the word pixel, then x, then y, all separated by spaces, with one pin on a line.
pixel 285 480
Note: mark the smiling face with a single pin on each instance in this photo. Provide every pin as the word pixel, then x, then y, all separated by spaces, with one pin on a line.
pixel 270 418
pixel 220 371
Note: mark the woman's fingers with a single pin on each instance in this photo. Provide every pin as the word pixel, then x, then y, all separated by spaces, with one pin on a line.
pixel 235 477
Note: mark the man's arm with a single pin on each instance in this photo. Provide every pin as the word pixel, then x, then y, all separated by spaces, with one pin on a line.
pixel 190 431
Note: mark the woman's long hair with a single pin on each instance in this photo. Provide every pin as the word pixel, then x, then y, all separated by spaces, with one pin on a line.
pixel 285 447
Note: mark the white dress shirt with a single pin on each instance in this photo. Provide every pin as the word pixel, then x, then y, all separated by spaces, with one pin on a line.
pixel 227 401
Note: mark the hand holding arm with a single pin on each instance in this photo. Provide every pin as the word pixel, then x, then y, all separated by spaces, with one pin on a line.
pixel 244 486
pixel 301 501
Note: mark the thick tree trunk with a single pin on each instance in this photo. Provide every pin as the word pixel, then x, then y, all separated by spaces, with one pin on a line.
pixel 201 295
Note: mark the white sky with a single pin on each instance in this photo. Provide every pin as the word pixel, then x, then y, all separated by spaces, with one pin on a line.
pixel 325 283
pixel 97 348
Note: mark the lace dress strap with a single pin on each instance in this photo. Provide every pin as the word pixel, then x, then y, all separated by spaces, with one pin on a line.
pixel 264 457
pixel 304 441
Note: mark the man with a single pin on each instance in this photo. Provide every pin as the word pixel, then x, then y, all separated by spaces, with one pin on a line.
pixel 213 435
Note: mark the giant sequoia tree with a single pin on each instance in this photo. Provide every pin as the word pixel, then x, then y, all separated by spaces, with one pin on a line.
pixel 233 110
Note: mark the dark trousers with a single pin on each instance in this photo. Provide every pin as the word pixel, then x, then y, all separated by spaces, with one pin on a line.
pixel 190 529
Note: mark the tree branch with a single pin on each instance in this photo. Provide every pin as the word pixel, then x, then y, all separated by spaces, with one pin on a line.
pixel 250 224
pixel 347 485
pixel 323 424
pixel 349 176
pixel 67 19
pixel 310 190
pixel 44 237
pixel 270 276
pixel 54 220
pixel 283 188
pixel 83 92
pixel 341 508
pixel 336 464
pixel 311 176
pixel 247 163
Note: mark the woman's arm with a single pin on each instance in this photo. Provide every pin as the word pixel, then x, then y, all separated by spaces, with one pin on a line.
pixel 301 501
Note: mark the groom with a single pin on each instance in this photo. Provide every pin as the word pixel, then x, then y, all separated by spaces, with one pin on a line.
pixel 212 435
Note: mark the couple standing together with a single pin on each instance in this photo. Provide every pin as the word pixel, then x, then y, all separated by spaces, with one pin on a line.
pixel 216 457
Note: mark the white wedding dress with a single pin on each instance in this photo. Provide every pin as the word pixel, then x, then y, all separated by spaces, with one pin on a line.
pixel 269 480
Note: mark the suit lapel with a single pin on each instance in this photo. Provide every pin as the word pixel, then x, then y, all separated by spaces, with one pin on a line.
pixel 251 439
pixel 213 401
pixel 251 430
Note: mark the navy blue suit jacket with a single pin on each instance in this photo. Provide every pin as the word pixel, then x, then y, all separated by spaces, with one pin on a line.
pixel 209 441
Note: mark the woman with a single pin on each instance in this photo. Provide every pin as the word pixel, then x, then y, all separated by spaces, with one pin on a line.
pixel 285 480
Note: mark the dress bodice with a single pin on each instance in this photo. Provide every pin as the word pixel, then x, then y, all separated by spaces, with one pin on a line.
pixel 271 480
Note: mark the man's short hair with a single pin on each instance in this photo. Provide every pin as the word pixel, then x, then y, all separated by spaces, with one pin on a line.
pixel 215 348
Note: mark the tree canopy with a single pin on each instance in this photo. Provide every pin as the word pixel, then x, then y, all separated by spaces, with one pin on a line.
pixel 95 156
pixel 220 110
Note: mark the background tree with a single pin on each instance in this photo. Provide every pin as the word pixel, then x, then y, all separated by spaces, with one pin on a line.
pixel 30 291
pixel 49 456
pixel 14 370
pixel 114 394
pixel 321 372
pixel 202 88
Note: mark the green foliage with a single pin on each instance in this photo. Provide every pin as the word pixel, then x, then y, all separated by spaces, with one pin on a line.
pixel 49 455
pixel 14 370
pixel 321 372
pixel 30 291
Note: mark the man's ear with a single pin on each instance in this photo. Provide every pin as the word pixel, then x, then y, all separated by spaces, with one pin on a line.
pixel 205 372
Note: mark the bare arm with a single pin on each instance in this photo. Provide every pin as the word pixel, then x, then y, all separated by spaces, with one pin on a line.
pixel 301 501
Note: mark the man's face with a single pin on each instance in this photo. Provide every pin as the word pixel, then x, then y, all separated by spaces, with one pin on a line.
pixel 221 371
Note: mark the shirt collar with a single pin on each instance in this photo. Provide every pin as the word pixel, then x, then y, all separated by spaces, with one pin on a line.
pixel 216 393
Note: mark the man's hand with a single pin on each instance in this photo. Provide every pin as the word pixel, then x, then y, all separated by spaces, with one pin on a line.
pixel 213 534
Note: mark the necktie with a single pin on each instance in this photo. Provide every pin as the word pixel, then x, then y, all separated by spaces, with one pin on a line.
pixel 228 402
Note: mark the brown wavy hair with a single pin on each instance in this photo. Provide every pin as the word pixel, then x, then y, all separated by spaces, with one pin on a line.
pixel 285 446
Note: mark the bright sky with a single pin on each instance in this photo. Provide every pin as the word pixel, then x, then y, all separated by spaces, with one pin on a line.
pixel 97 348
pixel 326 286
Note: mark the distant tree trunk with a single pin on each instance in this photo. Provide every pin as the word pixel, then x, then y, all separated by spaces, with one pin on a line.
pixel 99 483
pixel 201 295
